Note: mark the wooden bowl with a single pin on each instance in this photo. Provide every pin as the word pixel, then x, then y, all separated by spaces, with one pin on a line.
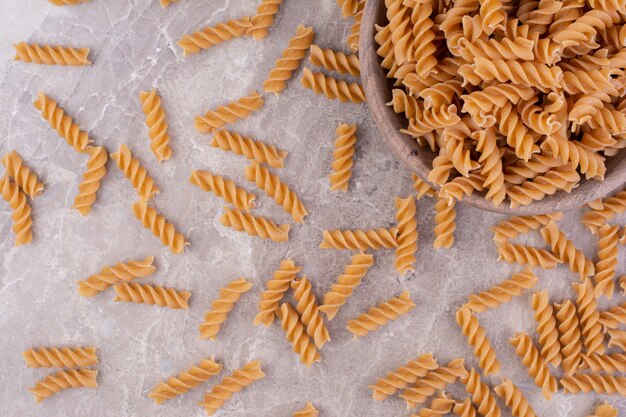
pixel 419 160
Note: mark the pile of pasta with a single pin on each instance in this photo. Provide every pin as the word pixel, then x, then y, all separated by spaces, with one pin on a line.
pixel 521 101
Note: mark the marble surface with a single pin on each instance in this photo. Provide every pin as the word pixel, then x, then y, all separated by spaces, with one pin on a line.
pixel 134 48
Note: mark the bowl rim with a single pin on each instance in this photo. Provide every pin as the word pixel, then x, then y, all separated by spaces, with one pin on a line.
pixel 406 149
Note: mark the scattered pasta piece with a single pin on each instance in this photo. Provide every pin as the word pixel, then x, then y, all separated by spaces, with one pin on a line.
pixel 249 148
pixel 343 157
pixel 614 316
pixel 150 294
pixel 482 397
pixel 159 226
pixel 231 384
pixel 477 339
pixel 587 308
pixel 226 189
pixel 605 268
pixel 213 35
pixel 296 335
pixel 111 275
pixel 62 123
pixel 600 384
pixel 547 328
pixel 360 239
pixel 263 19
pixel 278 190
pixel 407 235
pixel 380 315
pixel 332 88
pixel 255 226
pixel 230 113
pixel 155 120
pixel 527 255
pixel 289 61
pixel 404 376
pixel 611 206
pixel 51 55
pixel 566 250
pixel 422 188
pixel 309 312
pixel 275 289
pixel 444 223
pixel 520 225
pixel 89 186
pixel 351 277
pixel 220 307
pixel 135 173
pixel 437 379
pixel 532 360
pixel 22 175
pixel 503 292
pixel 348 7
pixel 439 406
pixel 569 336
pixel 353 38
pixel 21 216
pixel 514 399
pixel 65 357
pixel 335 61
pixel 604 410
pixel 308 411
pixel 614 363
pixel 73 378
pixel 183 382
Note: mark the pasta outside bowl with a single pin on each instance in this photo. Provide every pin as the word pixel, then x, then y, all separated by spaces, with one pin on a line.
pixel 419 160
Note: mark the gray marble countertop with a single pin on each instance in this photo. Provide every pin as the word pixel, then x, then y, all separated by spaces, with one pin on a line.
pixel 133 46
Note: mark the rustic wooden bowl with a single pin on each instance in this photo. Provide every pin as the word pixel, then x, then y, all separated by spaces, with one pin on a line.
pixel 378 92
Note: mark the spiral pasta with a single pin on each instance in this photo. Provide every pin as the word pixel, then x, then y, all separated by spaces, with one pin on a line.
pixel 564 178
pixel 89 186
pixel 111 275
pixel 600 384
pixel 332 88
pixel 404 376
pixel 309 311
pixel 249 148
pixel 275 289
pixel 62 123
pixel 230 113
pixel 492 166
pixel 159 226
pixel 62 380
pixel 503 292
pixel 275 188
pixel 566 250
pixel 407 235
pixel 547 328
pixel 335 61
pixel 614 316
pixel 221 306
pixel 263 19
pixel 569 336
pixel 614 363
pixel 296 335
pixel 604 410
pixel 255 226
pixel 611 206
pixel 21 216
pixel 482 397
pixel 290 60
pixel 532 360
pixel 514 399
pixel 155 120
pixel 422 188
pixel 520 225
pixel 460 187
pixel 131 292
pixel 380 315
pixel 226 189
pixel 465 409
pixel 135 172
pixel 238 380
pixel 184 381
pixel 360 239
pixel 343 157
pixel 307 411
pixel 604 279
pixel 22 175
pixel 527 255
pixel 51 55
pixel 213 35
pixel 444 223
pixel 477 339
pixel 65 357
pixel 439 406
pixel 353 38
pixel 589 317
pixel 434 380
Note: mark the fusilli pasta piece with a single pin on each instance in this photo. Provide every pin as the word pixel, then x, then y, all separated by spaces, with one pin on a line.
pixel 65 357
pixel 569 336
pixel 520 225
pixel 275 289
pixel 465 409
pixel 296 335
pixel 62 123
pixel 492 15
pixel 184 381
pixel 335 61
pixel 527 255
pixel 604 410
pixel 614 316
pixel 434 380
pixel 111 275
pixel 89 186
pixel 380 315
pixel 72 378
pixel 309 311
pixel 492 166
pixel 231 384
pixel 290 60
pixel 255 226
pixel 477 339
pixel 407 235
pixel 439 406
pixel 230 113
pixel 343 157
pixel 155 120
pixel 51 55
pixel 444 223
pixel 332 88
pixel 611 206
pixel 614 363
pixel 309 410
pixel 221 306
pixel 360 239
pixel 226 189
pixel 353 38
pixel 459 187
pixel 503 292
pixel 21 216
pixel 564 178
pixel 22 175
pixel 249 148
pixel 600 384
pixel 547 328
pixel 589 317
pixel 159 226
pixel 421 187
pixel 566 250
pixel 604 279
pixel 514 399
pixel 263 19
pixel 482 397
pixel 532 360
pixel 348 7
pixel 403 376
pixel 151 294
pixel 213 35
pixel 135 172
pixel 541 76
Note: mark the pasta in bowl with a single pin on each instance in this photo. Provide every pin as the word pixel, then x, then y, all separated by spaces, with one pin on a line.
pixel 515 110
